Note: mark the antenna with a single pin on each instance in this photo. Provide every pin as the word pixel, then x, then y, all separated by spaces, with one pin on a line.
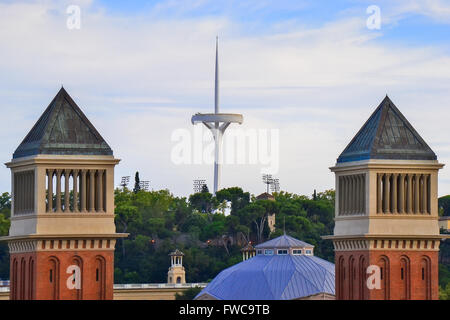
pixel 124 182
pixel 217 123
pixel 216 86
pixel 198 185
pixel 284 225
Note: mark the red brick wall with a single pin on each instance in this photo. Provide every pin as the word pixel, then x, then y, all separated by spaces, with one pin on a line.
pixel 37 285
pixel 351 284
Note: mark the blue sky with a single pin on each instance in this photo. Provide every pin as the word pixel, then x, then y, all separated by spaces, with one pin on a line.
pixel 310 69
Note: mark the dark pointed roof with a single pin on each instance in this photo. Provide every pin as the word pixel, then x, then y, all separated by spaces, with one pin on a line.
pixel 63 129
pixel 387 135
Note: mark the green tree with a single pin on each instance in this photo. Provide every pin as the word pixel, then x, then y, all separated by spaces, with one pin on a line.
pixel 137 184
pixel 444 205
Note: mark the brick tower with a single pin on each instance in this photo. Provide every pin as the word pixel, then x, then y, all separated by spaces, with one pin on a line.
pixel 62 233
pixel 386 212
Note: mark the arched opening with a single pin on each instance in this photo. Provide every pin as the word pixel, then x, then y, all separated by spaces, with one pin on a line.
pixel 383 263
pixel 22 279
pixel 178 279
pixel 341 278
pixel 353 294
pixel 31 279
pixel 100 277
pixel 53 277
pixel 425 278
pixel 404 288
pixel 362 278
pixel 78 293
pixel 14 282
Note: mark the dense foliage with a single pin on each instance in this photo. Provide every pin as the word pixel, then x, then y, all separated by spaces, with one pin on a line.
pixel 444 205
pixel 158 222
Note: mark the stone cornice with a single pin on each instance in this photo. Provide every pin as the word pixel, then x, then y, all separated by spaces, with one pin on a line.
pixel 63 160
pixel 388 164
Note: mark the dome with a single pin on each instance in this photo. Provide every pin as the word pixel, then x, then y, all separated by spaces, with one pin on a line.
pixel 279 275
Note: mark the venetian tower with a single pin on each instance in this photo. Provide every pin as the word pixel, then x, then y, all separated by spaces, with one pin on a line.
pixel 176 273
pixel 62 233
pixel 386 212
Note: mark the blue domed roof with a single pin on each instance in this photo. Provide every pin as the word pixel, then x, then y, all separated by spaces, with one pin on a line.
pixel 274 277
pixel 284 241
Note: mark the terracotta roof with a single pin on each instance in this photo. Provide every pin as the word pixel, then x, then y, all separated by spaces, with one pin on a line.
pixel 387 134
pixel 63 129
pixel 265 196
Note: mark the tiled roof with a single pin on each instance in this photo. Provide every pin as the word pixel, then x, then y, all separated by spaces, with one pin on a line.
pixel 63 129
pixel 387 134
pixel 284 241
pixel 276 277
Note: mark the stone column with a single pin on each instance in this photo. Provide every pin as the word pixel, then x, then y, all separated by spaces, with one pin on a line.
pixel 379 193
pixel 416 193
pixel 91 190
pixel 58 190
pixel 409 194
pixel 401 193
pixel 385 193
pixel 424 194
pixel 394 193
pixel 100 191
pixel 345 194
pixel 50 190
pixel 363 193
pixel 67 190
pixel 75 190
pixel 340 194
pixel 83 186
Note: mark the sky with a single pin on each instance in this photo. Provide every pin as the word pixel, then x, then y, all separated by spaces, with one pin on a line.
pixel 305 73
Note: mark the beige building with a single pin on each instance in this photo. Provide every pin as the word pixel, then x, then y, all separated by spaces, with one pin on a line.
pixel 444 223
pixel 176 273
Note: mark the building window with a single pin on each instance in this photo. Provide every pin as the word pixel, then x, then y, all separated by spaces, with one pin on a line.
pixel 282 252
pixel 259 251
pixel 296 251
pixel 268 252
pixel 308 252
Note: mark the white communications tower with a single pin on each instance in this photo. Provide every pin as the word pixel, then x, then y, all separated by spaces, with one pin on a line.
pixel 217 123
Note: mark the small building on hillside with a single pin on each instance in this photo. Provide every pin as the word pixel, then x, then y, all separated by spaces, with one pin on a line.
pixel 270 217
pixel 284 268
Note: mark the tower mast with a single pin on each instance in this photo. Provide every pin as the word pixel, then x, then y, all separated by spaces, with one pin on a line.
pixel 217 123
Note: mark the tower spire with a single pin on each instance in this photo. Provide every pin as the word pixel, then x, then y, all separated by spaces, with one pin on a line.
pixel 216 87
